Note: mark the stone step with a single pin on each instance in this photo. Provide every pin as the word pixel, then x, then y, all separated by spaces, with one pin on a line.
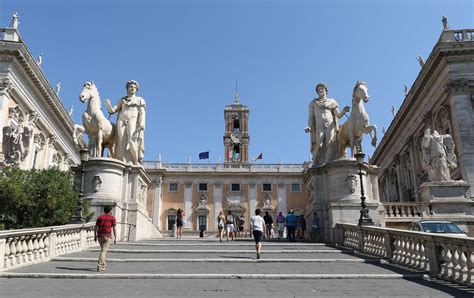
pixel 216 260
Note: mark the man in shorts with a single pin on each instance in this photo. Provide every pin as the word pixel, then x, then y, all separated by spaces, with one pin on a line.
pixel 257 225
pixel 230 220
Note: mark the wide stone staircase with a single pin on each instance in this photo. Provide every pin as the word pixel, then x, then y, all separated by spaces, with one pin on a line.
pixel 205 267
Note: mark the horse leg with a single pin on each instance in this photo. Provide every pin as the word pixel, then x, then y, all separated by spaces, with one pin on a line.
pixel 99 143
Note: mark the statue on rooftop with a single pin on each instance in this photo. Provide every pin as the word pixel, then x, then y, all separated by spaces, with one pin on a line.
pixel 15 22
pixel 420 61
pixel 445 23
pixel 438 155
pixel 323 125
pixel 130 126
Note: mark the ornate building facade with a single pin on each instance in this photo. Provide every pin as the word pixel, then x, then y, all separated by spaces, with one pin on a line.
pixel 36 129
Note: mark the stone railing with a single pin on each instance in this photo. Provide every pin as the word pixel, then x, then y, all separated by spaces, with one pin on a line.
pixel 196 167
pixel 29 246
pixel 457 35
pixel 445 257
pixel 395 210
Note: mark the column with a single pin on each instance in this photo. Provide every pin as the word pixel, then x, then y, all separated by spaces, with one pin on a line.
pixel 188 202
pixel 399 176
pixel 282 197
pixel 252 200
pixel 217 201
pixel 412 152
pixel 5 86
pixel 157 197
pixel 460 106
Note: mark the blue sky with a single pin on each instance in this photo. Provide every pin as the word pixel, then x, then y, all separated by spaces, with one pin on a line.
pixel 187 55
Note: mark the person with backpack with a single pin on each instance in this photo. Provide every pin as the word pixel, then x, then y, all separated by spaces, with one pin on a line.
pixel 268 225
pixel 230 219
pixel 280 224
pixel 291 226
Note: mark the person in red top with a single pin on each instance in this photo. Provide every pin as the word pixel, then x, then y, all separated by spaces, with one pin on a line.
pixel 104 226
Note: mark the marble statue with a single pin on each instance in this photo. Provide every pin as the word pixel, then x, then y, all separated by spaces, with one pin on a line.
pixel 420 61
pixel 100 130
pixel 71 110
pixel 130 125
pixel 39 61
pixel 58 88
pixel 405 90
pixel 438 155
pixel 445 23
pixel 267 201
pixel 323 125
pixel 202 201
pixel 353 130
pixel 15 22
pixel 394 112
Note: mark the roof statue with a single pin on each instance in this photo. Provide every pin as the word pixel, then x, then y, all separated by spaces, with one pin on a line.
pixel 445 23
pixel 15 22
pixel 420 61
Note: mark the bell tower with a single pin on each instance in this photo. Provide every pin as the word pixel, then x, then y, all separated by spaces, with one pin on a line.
pixel 236 136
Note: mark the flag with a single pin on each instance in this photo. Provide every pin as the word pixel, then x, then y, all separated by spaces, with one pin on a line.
pixel 260 156
pixel 204 155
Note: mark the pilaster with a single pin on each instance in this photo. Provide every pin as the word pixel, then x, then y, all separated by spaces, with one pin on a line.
pixel 282 197
pixel 188 202
pixel 217 201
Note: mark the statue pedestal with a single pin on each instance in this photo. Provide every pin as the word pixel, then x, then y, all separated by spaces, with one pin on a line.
pixel 110 182
pixel 447 197
pixel 335 195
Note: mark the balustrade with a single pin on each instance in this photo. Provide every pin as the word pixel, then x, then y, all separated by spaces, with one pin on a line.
pixel 406 210
pixel 445 257
pixel 28 246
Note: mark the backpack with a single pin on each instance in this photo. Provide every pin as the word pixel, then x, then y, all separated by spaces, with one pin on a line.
pixel 230 219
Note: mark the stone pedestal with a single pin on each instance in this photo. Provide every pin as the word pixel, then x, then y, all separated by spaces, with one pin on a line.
pixel 110 182
pixel 336 195
pixel 447 198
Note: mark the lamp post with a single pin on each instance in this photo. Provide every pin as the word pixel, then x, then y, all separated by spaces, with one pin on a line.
pixel 78 217
pixel 364 219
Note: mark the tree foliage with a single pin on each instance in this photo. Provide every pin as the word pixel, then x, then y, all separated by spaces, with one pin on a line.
pixel 36 198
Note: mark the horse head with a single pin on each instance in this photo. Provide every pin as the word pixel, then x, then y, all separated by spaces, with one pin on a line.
pixel 360 91
pixel 89 90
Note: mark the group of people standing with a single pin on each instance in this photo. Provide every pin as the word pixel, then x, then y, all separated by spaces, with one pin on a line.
pixel 295 226
pixel 232 225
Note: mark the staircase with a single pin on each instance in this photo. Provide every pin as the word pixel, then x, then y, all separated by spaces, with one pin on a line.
pixel 206 267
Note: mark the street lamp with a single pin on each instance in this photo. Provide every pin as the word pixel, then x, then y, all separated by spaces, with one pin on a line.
pixel 78 218
pixel 364 219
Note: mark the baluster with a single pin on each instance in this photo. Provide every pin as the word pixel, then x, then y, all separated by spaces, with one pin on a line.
pixel 24 249
pixel 416 253
pixel 388 210
pixel 423 259
pixel 456 264
pixel 36 246
pixel 30 248
pixel 469 267
pixel 8 252
pixel 462 261
pixel 449 263
pixel 18 251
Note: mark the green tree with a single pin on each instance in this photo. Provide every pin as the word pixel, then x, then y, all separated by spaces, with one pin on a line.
pixel 36 198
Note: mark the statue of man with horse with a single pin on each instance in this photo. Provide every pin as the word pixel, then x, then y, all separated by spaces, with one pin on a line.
pixel 328 140
pixel 323 125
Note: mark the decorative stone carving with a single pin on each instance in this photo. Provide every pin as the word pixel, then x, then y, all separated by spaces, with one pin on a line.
pixel 130 125
pixel 322 124
pixel 444 20
pixel 97 183
pixel 438 155
pixel 351 183
pixel 352 131
pixel 267 201
pixel 5 85
pixel 457 87
pixel 57 158
pixel 142 189
pixel 202 201
pixel 40 140
pixel 17 137
pixel 420 61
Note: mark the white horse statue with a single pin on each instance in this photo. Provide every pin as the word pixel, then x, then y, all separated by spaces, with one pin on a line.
pixel 352 131
pixel 100 130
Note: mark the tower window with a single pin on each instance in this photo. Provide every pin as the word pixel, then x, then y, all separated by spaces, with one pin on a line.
pixel 236 125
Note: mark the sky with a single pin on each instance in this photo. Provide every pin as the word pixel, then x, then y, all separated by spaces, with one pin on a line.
pixel 188 55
